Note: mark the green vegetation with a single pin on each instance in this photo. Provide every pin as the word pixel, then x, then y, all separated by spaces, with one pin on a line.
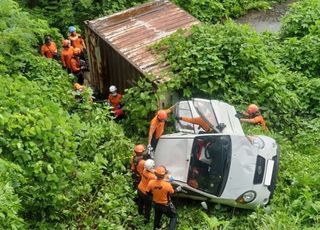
pixel 212 11
pixel 302 18
pixel 63 13
pixel 58 158
pixel 63 164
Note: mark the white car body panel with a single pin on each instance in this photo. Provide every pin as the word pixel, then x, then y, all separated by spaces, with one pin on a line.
pixel 174 155
pixel 242 167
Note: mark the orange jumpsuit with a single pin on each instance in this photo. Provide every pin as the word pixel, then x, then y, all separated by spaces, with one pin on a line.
pixel 161 191
pixel 66 55
pixel 77 41
pixel 146 176
pixel 75 65
pixel 257 120
pixel 115 100
pixel 198 121
pixel 49 50
pixel 157 126
pixel 137 164
pixel 144 203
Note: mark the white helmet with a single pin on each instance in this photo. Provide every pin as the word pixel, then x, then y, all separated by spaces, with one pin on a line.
pixel 149 164
pixel 112 89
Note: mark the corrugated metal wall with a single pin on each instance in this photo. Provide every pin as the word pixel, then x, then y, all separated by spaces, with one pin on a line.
pixel 108 66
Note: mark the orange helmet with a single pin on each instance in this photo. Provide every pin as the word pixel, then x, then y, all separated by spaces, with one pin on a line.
pixel 160 171
pixel 139 149
pixel 252 109
pixel 65 43
pixel 76 51
pixel 162 115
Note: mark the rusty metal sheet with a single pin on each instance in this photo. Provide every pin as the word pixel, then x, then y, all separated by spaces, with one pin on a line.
pixel 132 31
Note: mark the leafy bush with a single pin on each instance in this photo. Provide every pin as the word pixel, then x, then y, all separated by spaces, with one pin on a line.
pixel 140 105
pixel 302 54
pixel 10 178
pixel 301 17
pixel 211 56
pixel 66 152
pixel 213 11
pixel 20 33
pixel 10 206
pixel 204 10
pixel 63 13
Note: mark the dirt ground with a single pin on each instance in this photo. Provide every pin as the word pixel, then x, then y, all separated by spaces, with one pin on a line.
pixel 268 20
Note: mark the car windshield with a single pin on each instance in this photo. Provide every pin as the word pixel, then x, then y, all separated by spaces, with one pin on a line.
pixel 205 110
pixel 210 163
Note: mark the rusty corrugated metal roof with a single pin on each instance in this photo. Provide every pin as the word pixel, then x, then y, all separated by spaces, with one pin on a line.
pixel 133 30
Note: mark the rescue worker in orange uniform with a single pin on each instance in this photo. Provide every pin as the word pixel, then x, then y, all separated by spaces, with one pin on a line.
pixel 161 191
pixel 66 55
pixel 157 126
pixel 78 92
pixel 254 116
pixel 144 201
pixel 114 98
pixel 75 65
pixel 76 39
pixel 137 164
pixel 49 48
pixel 198 121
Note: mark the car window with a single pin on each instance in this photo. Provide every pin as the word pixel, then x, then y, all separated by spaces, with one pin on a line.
pixel 184 110
pixel 209 163
pixel 205 110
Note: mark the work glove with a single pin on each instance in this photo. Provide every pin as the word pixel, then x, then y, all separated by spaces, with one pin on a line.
pixel 178 189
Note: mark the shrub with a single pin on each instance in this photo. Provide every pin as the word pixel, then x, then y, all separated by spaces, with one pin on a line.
pixel 213 11
pixel 302 55
pixel 65 151
pixel 10 178
pixel 301 17
pixel 63 13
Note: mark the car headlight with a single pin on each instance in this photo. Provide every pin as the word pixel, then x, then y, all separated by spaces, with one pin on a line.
pixel 258 142
pixel 246 197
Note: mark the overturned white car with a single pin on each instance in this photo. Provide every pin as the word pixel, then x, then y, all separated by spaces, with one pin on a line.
pixel 223 166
